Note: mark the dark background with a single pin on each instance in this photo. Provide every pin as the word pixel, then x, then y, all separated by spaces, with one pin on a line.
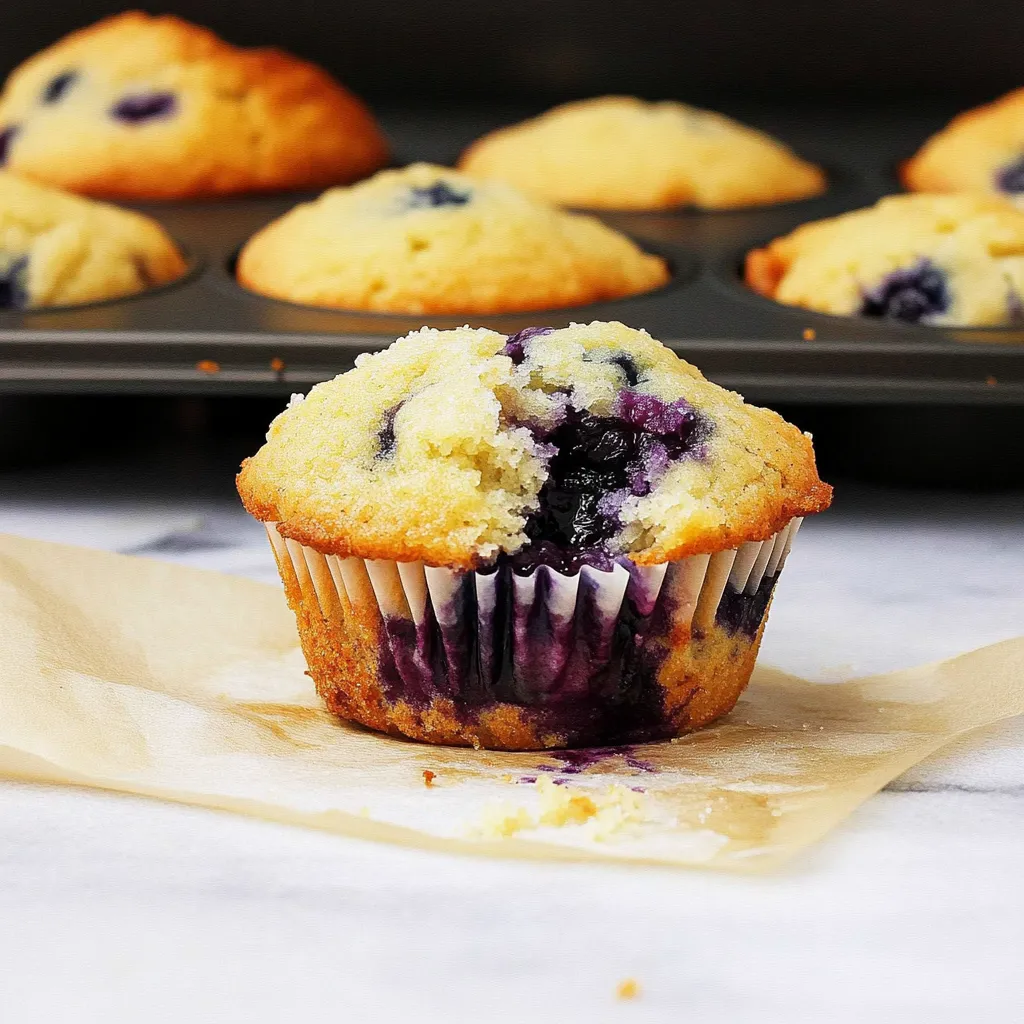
pixel 943 52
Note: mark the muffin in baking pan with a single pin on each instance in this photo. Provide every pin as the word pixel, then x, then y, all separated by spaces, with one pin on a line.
pixel 141 107
pixel 560 538
pixel 618 152
pixel 946 260
pixel 427 239
pixel 980 150
pixel 58 249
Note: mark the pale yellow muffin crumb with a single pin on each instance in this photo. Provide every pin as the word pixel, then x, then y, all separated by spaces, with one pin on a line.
pixel 426 239
pixel 618 152
pixel 935 259
pixel 57 249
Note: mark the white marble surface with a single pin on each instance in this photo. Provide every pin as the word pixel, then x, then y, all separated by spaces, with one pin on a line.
pixel 113 908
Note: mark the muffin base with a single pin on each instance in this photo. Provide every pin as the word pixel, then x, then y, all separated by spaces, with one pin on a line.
pixel 673 671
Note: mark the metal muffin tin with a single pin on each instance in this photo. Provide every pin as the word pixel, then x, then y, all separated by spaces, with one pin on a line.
pixel 207 335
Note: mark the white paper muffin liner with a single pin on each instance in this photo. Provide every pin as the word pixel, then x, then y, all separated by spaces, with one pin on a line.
pixel 536 639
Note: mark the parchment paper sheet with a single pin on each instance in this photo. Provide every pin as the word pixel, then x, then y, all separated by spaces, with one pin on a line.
pixel 143 677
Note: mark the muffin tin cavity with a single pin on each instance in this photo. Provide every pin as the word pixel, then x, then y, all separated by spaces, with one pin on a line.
pixel 768 351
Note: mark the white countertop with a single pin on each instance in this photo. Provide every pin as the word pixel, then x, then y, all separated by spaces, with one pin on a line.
pixel 114 908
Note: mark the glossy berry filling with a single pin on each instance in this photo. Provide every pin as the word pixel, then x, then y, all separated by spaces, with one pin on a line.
pixel 144 107
pixel 14 284
pixel 432 196
pixel 910 294
pixel 6 138
pixel 1011 177
pixel 58 86
pixel 599 462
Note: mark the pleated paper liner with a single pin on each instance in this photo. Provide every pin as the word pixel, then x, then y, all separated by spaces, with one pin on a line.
pixel 135 675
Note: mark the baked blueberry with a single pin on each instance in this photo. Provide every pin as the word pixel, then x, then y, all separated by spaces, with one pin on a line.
pixel 13 282
pixel 6 138
pixel 146 106
pixel 386 439
pixel 440 193
pixel 518 344
pixel 58 86
pixel 911 294
pixel 1011 177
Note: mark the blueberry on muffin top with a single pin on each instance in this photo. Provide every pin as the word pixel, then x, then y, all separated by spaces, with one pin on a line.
pixel 563 447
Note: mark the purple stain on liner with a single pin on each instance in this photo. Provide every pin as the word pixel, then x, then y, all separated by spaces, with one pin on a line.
pixel 1010 178
pixel 6 139
pixel 739 612
pixel 909 294
pixel 146 106
pixel 575 762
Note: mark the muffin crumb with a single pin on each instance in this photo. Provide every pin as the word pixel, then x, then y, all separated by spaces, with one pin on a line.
pixel 428 778
pixel 208 366
pixel 628 988
pixel 810 334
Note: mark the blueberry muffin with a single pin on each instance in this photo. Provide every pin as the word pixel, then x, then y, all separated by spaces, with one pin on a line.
pixel 950 260
pixel 981 150
pixel 140 107
pixel 426 239
pixel 57 249
pixel 620 153
pixel 560 538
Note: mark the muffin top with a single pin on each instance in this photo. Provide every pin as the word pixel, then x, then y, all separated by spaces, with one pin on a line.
pixel 427 239
pixel 934 259
pixel 617 152
pixel 157 108
pixel 980 150
pixel 558 447
pixel 57 249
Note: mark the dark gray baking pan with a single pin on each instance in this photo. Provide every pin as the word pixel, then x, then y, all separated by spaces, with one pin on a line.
pixel 207 335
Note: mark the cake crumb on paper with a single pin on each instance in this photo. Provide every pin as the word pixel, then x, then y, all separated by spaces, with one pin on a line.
pixel 428 777
pixel 602 812
pixel 628 988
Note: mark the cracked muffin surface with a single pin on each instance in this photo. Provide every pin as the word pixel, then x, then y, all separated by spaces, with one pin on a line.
pixel 618 152
pixel 946 260
pixel 58 249
pixel 553 447
pixel 142 107
pixel 427 239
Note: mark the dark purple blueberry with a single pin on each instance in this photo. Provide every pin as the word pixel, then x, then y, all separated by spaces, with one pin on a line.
pixel 6 138
pixel 386 440
pixel 599 461
pixel 439 194
pixel 910 294
pixel 58 86
pixel 146 106
pixel 627 364
pixel 516 346
pixel 14 284
pixel 1011 177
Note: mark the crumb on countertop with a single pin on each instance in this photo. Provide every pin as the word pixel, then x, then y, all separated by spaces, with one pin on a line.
pixel 277 364
pixel 810 334
pixel 628 988
pixel 208 366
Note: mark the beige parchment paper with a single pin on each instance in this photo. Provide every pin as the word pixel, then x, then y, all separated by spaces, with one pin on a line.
pixel 143 677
